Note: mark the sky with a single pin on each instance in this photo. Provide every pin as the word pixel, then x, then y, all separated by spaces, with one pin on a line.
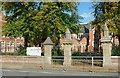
pixel 85 10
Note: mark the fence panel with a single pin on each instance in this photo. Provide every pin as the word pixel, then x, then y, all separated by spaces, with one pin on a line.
pixel 79 60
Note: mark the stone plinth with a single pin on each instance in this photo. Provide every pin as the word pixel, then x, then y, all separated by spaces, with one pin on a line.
pixel 106 45
pixel 0 36
pixel 67 49
pixel 67 54
pixel 48 44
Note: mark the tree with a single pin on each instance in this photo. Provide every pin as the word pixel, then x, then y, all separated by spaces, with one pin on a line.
pixel 108 12
pixel 37 20
pixel 18 17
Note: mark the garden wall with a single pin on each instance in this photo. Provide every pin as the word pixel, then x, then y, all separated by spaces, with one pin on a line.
pixel 115 60
pixel 24 59
pixel 41 60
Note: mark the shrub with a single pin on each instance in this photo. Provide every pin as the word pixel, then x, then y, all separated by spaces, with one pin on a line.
pixel 76 54
pixel 87 54
pixel 21 51
pixel 57 51
pixel 116 51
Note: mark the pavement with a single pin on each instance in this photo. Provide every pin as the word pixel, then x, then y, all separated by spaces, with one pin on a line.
pixel 18 69
pixel 39 72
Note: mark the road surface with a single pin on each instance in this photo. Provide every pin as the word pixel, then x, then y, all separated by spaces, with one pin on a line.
pixel 38 72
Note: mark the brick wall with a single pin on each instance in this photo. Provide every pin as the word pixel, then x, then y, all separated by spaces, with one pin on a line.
pixel 40 60
pixel 115 60
pixel 91 40
pixel 83 44
pixel 23 59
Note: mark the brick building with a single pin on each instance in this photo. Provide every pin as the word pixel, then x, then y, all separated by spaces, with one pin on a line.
pixel 88 40
pixel 7 44
pixel 10 45
pixel 77 44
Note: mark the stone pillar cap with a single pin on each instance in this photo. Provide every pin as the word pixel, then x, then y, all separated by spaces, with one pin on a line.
pixel 105 39
pixel 67 31
pixel 67 42
pixel 48 41
pixel 68 37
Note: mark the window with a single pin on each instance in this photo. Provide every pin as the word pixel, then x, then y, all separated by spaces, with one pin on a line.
pixel 12 47
pixel 17 46
pixel 8 46
pixel 2 46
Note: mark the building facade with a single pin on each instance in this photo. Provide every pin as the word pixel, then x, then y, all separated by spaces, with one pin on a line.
pixel 11 45
pixel 7 44
pixel 88 40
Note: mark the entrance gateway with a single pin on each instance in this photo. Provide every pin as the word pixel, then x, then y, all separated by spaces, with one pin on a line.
pixel 106 44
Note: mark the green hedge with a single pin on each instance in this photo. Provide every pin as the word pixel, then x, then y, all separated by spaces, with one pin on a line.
pixel 20 52
pixel 57 51
pixel 87 54
pixel 116 51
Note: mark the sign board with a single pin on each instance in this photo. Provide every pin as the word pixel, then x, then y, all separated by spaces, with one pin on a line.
pixel 34 51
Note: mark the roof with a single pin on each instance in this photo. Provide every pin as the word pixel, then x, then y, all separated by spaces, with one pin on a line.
pixel 85 28
pixel 86 35
pixel 73 41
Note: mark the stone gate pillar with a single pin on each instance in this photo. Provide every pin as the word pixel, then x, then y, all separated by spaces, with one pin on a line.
pixel 67 49
pixel 0 37
pixel 48 44
pixel 106 45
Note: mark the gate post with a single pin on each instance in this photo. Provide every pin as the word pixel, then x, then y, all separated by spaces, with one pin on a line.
pixel 67 49
pixel 1 38
pixel 48 44
pixel 106 45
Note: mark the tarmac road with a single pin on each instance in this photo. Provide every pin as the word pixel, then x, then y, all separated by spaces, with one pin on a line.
pixel 38 72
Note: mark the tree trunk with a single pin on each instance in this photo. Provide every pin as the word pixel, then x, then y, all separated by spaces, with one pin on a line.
pixel 26 42
pixel 58 42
